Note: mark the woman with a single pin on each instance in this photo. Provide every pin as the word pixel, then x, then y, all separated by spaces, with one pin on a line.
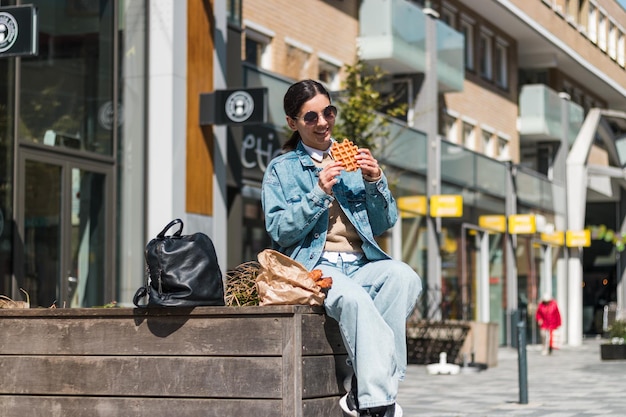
pixel 327 218
pixel 549 319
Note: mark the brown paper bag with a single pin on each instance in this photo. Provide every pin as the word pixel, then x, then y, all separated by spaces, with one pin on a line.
pixel 281 280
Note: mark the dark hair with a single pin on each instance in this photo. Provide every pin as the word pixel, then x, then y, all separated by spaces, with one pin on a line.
pixel 295 97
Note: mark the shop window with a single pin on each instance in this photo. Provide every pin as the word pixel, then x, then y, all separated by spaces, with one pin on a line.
pixel 501 64
pixel 258 45
pixel 486 54
pixel 467 28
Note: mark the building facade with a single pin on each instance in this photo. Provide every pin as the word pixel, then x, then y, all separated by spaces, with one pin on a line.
pixel 515 106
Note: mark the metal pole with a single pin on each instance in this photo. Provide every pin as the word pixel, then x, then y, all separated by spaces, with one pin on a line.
pixel 521 359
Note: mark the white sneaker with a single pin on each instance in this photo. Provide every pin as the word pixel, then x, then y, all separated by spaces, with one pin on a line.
pixel 347 410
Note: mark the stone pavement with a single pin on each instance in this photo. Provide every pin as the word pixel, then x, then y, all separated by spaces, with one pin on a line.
pixel 572 382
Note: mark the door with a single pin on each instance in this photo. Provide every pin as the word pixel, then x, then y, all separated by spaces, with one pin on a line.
pixel 482 276
pixel 64 230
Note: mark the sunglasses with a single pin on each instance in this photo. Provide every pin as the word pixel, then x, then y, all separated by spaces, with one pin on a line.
pixel 312 117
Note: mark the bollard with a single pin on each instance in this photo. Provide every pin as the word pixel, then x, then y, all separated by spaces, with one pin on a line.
pixel 521 360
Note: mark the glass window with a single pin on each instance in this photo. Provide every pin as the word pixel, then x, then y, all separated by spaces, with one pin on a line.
pixel 257 49
pixel 602 32
pixel 468 33
pixel 503 149
pixel 7 98
pixel 469 137
pixel 612 41
pixel 501 65
pixel 486 58
pixel 487 145
pixel 450 128
pixel 592 24
pixel 233 12
pixel 328 74
pixel 66 91
pixel 621 49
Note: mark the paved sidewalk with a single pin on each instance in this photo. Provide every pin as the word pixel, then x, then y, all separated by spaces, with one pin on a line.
pixel 572 382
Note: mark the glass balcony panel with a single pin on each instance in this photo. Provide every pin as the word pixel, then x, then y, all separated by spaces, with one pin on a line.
pixel 540 113
pixel 393 36
pixel 405 148
pixel 491 175
pixel 529 189
pixel 576 119
pixel 450 66
pixel 457 165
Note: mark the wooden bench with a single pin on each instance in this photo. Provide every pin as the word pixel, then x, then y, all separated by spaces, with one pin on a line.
pixel 209 361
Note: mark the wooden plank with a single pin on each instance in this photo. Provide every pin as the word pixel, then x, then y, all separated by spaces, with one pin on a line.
pixel 321 336
pixel 327 407
pixel 292 367
pixel 323 376
pixel 138 313
pixel 212 377
pixel 161 335
pixel 20 406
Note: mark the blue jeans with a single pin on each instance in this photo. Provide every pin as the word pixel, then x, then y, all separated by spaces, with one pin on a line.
pixel 371 302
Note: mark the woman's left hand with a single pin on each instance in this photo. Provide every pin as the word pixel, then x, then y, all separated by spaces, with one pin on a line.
pixel 369 165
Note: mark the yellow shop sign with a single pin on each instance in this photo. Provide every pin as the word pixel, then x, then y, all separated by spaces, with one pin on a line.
pixel 449 205
pixel 520 224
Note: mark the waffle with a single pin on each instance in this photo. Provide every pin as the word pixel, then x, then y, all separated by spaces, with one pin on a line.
pixel 345 152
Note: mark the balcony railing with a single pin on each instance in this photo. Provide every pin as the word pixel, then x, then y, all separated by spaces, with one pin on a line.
pixel 393 36
pixel 540 115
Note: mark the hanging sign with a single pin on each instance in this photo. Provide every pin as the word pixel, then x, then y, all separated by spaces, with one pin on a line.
pixel 412 206
pixel 578 238
pixel 18 31
pixel 234 107
pixel 446 205
pixel 555 238
pixel 494 222
pixel 520 224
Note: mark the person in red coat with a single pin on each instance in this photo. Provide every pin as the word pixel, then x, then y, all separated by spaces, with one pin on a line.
pixel 549 319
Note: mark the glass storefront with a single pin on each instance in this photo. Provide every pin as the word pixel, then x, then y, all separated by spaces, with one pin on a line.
pixel 59 245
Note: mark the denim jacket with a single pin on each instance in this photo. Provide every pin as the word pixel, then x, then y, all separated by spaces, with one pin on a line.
pixel 296 208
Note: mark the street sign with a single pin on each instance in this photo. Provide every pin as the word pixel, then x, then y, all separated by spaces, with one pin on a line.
pixel 18 31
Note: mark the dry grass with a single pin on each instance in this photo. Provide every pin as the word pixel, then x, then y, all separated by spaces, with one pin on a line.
pixel 6 302
pixel 241 285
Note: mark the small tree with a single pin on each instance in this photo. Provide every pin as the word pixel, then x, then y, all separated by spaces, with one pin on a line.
pixel 360 104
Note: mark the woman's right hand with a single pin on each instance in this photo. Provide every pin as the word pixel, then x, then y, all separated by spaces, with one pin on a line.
pixel 328 176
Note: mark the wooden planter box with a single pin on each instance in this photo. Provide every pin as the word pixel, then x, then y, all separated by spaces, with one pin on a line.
pixel 209 361
pixel 612 352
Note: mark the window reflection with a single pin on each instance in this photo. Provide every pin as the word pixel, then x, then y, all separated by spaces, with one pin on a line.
pixel 66 91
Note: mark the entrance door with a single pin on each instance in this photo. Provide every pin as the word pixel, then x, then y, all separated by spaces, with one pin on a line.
pixel 64 230
pixel 483 276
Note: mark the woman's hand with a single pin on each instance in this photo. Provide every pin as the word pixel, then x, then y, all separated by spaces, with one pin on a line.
pixel 328 176
pixel 368 164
